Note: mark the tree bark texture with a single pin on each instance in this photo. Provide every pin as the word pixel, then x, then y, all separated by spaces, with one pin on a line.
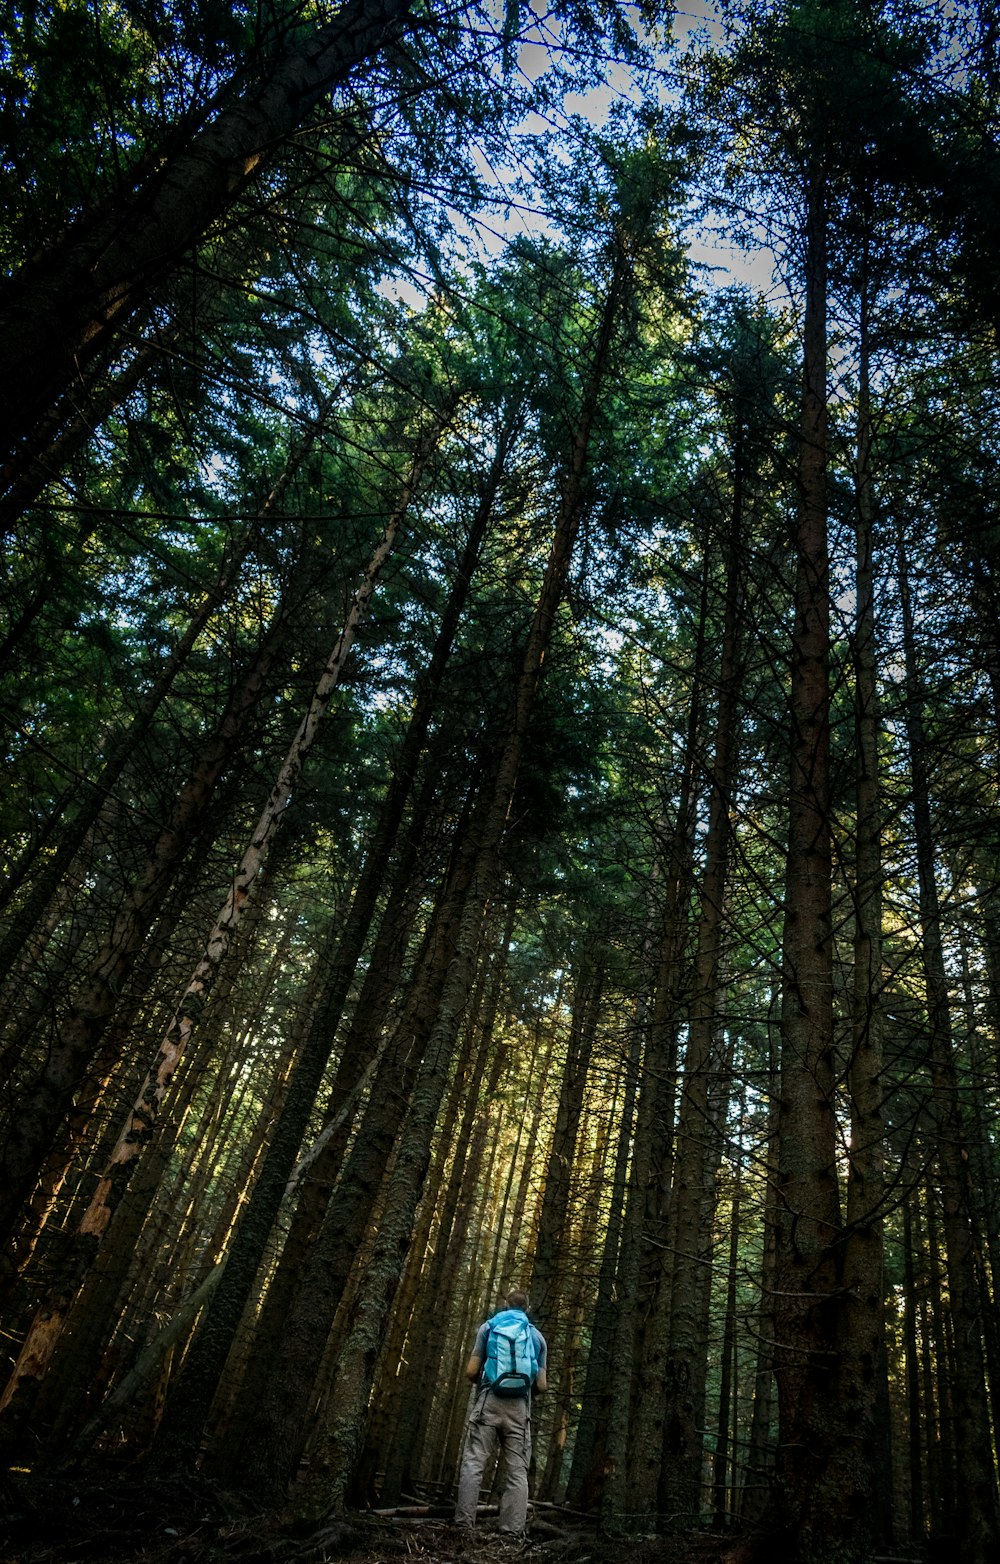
pixel 90 1010
pixel 823 1480
pixel 67 306
pixel 976 1496
pixel 336 1459
pixel 138 1128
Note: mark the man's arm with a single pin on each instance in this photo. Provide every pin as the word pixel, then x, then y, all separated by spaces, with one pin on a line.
pixel 472 1367
pixel 542 1353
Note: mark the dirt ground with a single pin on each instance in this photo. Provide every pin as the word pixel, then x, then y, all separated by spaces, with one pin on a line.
pixel 45 1521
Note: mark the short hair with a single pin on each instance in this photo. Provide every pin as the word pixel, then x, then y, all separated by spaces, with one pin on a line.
pixel 517 1299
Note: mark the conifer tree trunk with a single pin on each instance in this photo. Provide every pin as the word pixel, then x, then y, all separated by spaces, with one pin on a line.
pixel 273 1440
pixel 915 1419
pixel 546 1285
pixel 724 1463
pixel 392 1368
pixel 336 1457
pixel 976 1495
pixel 861 1321
pixel 140 1255
pixel 586 1473
pixel 341 957
pixel 135 1135
pixel 668 1408
pixel 640 1267
pixel 758 1467
pixel 80 1033
pixel 569 1343
pixel 67 306
pixel 823 1484
pixel 318 1168
pixel 88 808
pixel 549 1280
pixel 411 1394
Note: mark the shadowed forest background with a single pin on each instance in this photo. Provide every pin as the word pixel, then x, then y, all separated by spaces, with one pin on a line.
pixel 501 743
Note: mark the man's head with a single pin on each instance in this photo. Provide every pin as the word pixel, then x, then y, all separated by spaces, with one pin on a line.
pixel 517 1299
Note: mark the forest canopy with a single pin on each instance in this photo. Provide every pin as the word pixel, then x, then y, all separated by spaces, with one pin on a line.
pixel 500 686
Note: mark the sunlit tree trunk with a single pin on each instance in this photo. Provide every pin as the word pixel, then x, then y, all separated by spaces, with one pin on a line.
pixel 411 1394
pixel 546 1283
pixel 138 1128
pixel 336 1455
pixel 586 1474
pixel 90 1010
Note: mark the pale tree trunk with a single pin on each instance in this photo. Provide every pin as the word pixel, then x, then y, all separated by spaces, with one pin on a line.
pixel 511 1249
pixel 135 1135
pixel 84 822
pixel 724 1459
pixel 976 1496
pixel 85 1132
pixel 568 1348
pixel 314 1177
pixel 273 1436
pixel 66 308
pixel 985 1201
pixel 342 954
pixel 388 1410
pixel 304 1330
pixel 69 1058
pixel 758 1466
pixel 546 1285
pixel 549 1271
pixel 345 944
pixel 915 1419
pixel 337 1453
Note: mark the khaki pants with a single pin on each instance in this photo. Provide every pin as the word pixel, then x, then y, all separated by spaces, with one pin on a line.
pixel 502 1422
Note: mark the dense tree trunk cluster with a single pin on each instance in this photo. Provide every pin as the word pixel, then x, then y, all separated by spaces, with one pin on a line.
pixel 500 762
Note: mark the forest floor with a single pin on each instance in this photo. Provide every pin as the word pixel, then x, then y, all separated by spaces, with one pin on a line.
pixel 47 1521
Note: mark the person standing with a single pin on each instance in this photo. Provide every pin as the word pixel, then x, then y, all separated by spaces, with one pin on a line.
pixel 507 1366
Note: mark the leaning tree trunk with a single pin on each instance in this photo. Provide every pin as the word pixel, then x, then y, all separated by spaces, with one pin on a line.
pixel 67 306
pixel 337 1453
pixel 138 1128
pixel 546 1283
pixel 121 748
pixel 412 1393
pixel 81 1030
pixel 273 1438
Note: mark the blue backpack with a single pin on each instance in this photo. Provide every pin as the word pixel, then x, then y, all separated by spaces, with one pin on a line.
pixel 511 1364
